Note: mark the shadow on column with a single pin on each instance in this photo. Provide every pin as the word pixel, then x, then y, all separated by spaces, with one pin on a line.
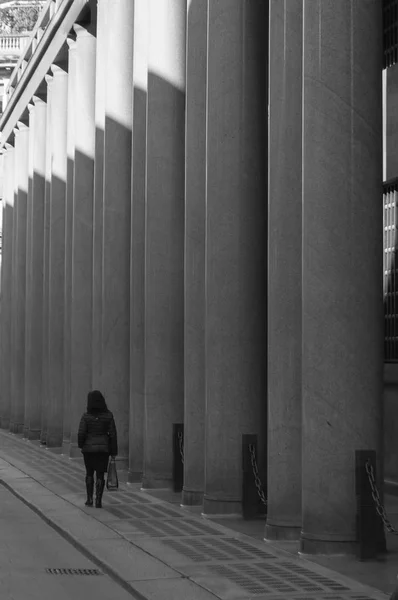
pixel 34 332
pixel 137 288
pixel 6 308
pixel 164 278
pixel 81 315
pixel 19 320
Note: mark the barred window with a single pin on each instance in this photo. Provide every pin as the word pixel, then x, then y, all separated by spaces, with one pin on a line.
pixel 390 270
pixel 390 32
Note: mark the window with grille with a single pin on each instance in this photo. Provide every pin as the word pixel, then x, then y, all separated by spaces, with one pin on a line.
pixel 390 270
pixel 390 32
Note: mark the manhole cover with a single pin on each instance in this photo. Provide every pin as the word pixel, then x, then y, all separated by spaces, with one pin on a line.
pixel 73 572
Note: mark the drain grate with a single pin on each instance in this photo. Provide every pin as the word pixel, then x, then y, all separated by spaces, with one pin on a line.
pixel 172 527
pixel 142 512
pixel 260 578
pixel 73 572
pixel 221 549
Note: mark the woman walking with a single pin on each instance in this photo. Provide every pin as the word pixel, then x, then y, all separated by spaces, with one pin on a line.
pixel 97 439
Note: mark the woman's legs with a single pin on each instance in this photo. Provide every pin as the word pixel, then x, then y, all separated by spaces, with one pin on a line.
pixel 89 481
pixel 99 487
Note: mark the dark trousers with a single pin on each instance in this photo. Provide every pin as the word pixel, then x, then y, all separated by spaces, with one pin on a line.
pixel 96 462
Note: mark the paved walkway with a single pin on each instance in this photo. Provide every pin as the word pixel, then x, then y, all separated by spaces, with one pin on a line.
pixel 158 550
pixel 29 551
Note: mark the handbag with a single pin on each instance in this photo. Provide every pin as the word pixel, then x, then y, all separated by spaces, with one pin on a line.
pixel 112 482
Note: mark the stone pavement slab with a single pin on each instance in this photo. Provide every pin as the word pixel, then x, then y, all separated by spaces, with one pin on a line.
pixel 156 548
pixel 30 549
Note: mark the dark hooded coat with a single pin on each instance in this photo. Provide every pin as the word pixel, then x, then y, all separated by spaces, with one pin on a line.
pixel 97 429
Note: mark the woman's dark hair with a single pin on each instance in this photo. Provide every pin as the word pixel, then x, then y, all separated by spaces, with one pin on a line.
pixel 96 402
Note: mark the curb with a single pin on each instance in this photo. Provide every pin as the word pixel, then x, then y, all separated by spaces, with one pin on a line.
pixel 106 568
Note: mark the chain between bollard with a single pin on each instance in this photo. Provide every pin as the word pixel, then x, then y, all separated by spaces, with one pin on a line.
pixel 181 445
pixel 257 479
pixel 376 498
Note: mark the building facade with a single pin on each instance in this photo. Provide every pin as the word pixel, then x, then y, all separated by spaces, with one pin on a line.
pixel 193 225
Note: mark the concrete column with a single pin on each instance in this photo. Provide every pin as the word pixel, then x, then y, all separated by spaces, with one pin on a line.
pixel 56 310
pixel 21 191
pixel 137 259
pixel 70 149
pixel 100 90
pixel 2 210
pixel 82 249
pixel 236 252
pixel 391 122
pixel 342 263
pixel 164 259
pixel 46 264
pixel 6 285
pixel 114 380
pixel 34 354
pixel 195 221
pixel 14 277
pixel 28 305
pixel 284 270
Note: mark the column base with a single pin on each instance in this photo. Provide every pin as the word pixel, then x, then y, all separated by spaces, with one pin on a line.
pixel 134 476
pixel 66 447
pixel 282 532
pixel 74 451
pixel 33 434
pixel 191 498
pixel 16 427
pixel 54 442
pixel 153 483
pixel 327 544
pixel 221 506
pixel 5 422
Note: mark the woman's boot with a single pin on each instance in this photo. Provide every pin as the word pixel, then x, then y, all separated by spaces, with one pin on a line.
pixel 99 490
pixel 90 490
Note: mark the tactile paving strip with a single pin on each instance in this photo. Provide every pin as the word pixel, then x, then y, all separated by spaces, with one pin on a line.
pixel 143 512
pixel 259 578
pixel 173 527
pixel 223 549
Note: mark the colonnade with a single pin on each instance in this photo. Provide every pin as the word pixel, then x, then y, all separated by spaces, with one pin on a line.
pixel 137 238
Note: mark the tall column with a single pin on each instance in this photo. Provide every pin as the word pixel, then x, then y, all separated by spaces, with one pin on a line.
pixel 284 270
pixel 116 219
pixel 164 251
pixel 46 264
pixel 34 353
pixel 59 106
pixel 82 224
pixel 137 260
pixel 6 285
pixel 21 190
pixel 14 277
pixel 342 263
pixel 70 169
pixel 236 233
pixel 195 221
pixel 100 91
pixel 28 304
